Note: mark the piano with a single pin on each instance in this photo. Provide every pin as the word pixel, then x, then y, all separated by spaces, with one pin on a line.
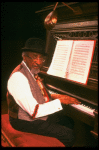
pixel 70 26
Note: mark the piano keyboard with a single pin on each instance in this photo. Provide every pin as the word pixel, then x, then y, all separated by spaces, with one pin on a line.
pixel 84 108
pixel 80 107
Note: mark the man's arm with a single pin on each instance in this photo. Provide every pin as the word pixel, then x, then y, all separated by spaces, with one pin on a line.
pixel 19 88
pixel 65 99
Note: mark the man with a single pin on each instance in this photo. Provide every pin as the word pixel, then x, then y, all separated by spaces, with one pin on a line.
pixel 31 108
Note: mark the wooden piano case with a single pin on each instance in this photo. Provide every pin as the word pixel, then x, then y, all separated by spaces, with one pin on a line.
pixel 80 26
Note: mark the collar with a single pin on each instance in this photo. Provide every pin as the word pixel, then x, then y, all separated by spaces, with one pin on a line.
pixel 28 69
pixel 26 65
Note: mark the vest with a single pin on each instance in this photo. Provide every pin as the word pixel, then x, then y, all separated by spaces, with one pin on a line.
pixel 14 110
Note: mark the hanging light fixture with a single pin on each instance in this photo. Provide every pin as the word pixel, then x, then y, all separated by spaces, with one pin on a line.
pixel 51 19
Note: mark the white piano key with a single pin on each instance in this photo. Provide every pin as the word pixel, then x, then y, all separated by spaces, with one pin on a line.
pixel 84 108
pixel 81 107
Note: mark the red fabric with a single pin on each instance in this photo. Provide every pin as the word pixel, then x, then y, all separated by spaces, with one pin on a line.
pixel 23 139
pixel 43 90
pixel 35 111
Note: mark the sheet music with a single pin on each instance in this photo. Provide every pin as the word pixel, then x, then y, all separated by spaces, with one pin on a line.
pixel 80 60
pixel 60 58
pixel 72 59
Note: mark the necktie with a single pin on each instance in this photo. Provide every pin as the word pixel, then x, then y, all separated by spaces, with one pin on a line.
pixel 43 90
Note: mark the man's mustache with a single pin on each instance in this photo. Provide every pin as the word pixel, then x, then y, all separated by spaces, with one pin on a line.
pixel 36 65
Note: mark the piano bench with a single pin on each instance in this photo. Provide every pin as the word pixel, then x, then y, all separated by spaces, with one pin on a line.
pixel 16 138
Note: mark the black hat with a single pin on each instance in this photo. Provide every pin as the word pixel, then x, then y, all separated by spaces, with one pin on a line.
pixel 34 45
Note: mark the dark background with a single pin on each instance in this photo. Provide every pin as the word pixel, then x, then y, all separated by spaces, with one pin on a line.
pixel 18 23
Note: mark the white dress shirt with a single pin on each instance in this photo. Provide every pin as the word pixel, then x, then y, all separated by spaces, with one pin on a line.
pixel 19 88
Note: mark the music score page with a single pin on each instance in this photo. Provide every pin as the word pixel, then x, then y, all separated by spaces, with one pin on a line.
pixel 60 58
pixel 80 61
pixel 72 59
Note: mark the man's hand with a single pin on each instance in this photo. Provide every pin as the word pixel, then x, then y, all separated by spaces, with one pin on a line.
pixel 68 100
pixel 65 99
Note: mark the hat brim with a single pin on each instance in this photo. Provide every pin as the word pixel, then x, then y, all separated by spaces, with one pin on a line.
pixel 34 50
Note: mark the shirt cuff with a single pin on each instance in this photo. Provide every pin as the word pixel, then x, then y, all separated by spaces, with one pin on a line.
pixel 49 108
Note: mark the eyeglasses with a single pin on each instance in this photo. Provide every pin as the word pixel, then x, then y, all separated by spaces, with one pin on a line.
pixel 42 58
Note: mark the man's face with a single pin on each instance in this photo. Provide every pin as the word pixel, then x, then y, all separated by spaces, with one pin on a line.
pixel 34 60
